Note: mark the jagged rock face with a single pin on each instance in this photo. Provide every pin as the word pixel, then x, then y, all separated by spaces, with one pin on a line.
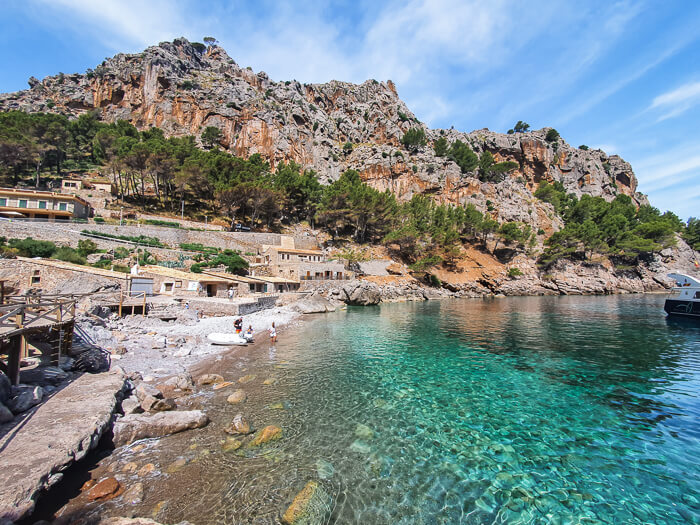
pixel 183 87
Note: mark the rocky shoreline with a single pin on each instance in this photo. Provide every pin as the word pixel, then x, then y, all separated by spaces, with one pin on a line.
pixel 166 370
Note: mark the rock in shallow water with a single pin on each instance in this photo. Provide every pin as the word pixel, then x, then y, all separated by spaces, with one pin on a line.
pixel 238 426
pixel 239 396
pixel 209 379
pixel 310 507
pixel 140 426
pixel 267 434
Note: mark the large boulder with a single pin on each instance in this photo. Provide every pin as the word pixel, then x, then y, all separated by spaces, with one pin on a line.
pixel 5 414
pixel 314 304
pixel 139 426
pixel 361 293
pixel 312 506
pixel 26 398
pixel 5 388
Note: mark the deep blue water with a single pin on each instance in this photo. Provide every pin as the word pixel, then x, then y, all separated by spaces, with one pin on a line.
pixel 517 410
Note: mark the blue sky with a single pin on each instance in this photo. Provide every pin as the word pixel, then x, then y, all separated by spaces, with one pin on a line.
pixel 623 76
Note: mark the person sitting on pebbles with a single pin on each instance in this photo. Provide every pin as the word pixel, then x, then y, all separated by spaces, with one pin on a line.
pixel 248 335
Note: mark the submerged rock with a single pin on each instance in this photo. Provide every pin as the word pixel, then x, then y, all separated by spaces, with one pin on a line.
pixel 311 506
pixel 324 469
pixel 127 521
pixel 363 431
pixel 266 435
pixel 219 386
pixel 239 396
pixel 209 379
pixel 139 426
pixel 247 379
pixel 238 426
pixel 231 445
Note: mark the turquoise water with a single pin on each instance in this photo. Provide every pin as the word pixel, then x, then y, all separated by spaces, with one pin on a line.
pixel 519 410
pixel 525 410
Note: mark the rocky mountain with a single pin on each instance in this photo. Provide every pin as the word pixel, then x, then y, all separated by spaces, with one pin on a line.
pixel 183 87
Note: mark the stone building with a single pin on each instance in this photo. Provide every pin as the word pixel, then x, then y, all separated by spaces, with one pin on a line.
pixel 287 261
pixel 179 283
pixel 26 203
pixel 50 276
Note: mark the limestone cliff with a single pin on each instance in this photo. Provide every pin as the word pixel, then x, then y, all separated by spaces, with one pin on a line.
pixel 183 87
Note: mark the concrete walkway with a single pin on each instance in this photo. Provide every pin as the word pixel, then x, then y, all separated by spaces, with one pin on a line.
pixel 61 431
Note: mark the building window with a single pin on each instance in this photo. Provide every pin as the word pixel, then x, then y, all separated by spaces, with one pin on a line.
pixel 178 284
pixel 168 287
pixel 42 205
pixel 36 277
pixel 63 206
pixel 3 202
pixel 23 203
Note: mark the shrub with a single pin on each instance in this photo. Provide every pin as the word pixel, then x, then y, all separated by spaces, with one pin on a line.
pixel 552 136
pixel 440 147
pixel 414 139
pixel 434 280
pixel 99 220
pixel 159 222
pixel 425 263
pixel 68 254
pixel 540 232
pixel 32 248
pixel 414 168
pixel 121 253
pixel 86 247
pixel 514 272
pixel 583 147
pixel 347 148
pixel 187 85
pixel 402 116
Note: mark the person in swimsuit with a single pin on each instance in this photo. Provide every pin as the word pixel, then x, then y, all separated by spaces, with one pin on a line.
pixel 273 333
pixel 238 325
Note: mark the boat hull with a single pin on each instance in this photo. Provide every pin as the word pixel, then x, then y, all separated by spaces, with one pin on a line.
pixel 226 339
pixel 686 309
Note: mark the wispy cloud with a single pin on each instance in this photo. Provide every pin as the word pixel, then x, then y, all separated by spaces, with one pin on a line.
pixel 677 101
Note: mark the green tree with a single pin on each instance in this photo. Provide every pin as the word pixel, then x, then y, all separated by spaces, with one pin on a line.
pixel 463 156
pixel 414 139
pixel 552 135
pixel 691 235
pixel 211 137
pixel 521 127
pixel 440 147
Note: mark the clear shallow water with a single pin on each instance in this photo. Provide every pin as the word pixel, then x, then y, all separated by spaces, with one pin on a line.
pixel 519 410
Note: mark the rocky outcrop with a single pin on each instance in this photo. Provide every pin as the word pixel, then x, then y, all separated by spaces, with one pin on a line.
pixel 61 431
pixel 183 87
pixel 361 293
pixel 140 426
pixel 315 304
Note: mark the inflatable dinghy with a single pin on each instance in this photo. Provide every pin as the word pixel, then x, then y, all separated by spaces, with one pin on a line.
pixel 226 339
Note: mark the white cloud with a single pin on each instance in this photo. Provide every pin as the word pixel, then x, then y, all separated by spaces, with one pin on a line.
pixel 677 101
pixel 121 24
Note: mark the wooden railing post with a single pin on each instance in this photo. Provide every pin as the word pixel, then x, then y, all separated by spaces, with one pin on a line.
pixel 121 300
pixel 143 310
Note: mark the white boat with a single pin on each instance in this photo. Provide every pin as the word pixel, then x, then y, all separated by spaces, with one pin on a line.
pixel 226 339
pixel 686 302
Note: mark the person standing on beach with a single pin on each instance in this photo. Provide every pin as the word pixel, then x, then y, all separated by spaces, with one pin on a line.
pixel 238 325
pixel 273 333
